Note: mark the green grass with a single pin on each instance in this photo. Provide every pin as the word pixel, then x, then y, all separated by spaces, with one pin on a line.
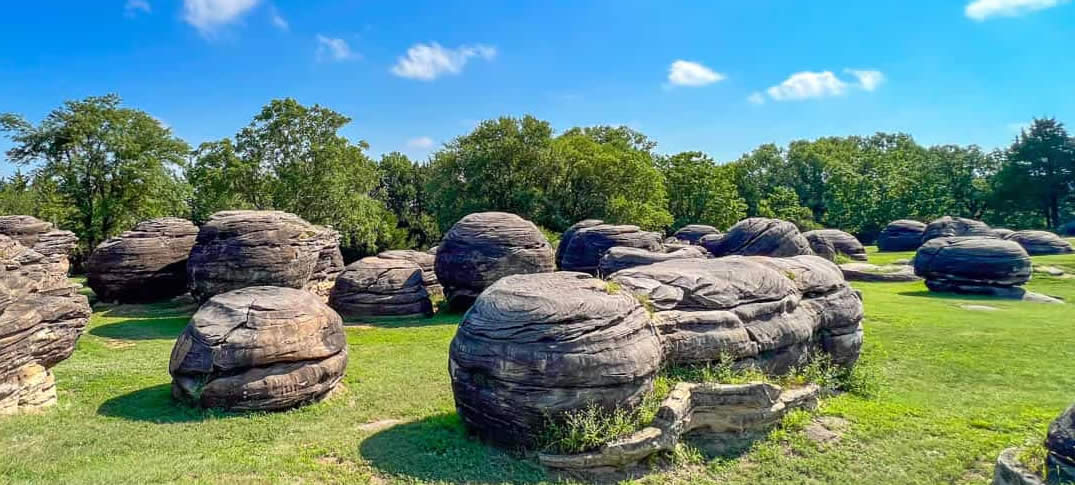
pixel 957 386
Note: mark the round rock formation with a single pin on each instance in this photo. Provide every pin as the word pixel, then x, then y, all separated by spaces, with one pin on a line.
pixel 237 249
pixel 620 257
pixel 827 243
pixel 948 226
pixel 693 233
pixel 424 260
pixel 901 235
pixel 539 345
pixel 583 245
pixel 485 246
pixel 259 348
pixel 1038 243
pixel 377 286
pixel 144 264
pixel 758 236
pixel 982 265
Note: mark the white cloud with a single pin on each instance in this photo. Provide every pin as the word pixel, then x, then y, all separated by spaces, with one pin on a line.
pixel 278 20
pixel 427 62
pixel 329 48
pixel 806 85
pixel 687 73
pixel 756 98
pixel 421 142
pixel 983 9
pixel 869 80
pixel 209 15
pixel 133 7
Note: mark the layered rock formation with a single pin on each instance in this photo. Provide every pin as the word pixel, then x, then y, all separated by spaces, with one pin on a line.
pixel 482 248
pixel 948 226
pixel 620 257
pixel 44 239
pixel 237 249
pixel 539 345
pixel 759 236
pixel 693 233
pixel 889 273
pixel 901 235
pixel 377 286
pixel 259 348
pixel 144 264
pixel 424 260
pixel 827 243
pixel 1039 243
pixel 42 315
pixel 975 265
pixel 1060 441
pixel 583 245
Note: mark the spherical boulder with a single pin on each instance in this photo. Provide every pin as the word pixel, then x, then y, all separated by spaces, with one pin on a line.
pixel 424 260
pixel 758 236
pixel 1038 243
pixel 42 315
pixel 948 226
pixel 620 257
pixel 377 286
pixel 237 249
pixel 144 264
pixel 482 248
pixel 827 243
pixel 693 233
pixel 1060 443
pixel 583 245
pixel 972 264
pixel 260 348
pixel 536 346
pixel 901 235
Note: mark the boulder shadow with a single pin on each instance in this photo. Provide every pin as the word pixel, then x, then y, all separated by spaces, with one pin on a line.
pixel 143 329
pixel 155 405
pixel 438 449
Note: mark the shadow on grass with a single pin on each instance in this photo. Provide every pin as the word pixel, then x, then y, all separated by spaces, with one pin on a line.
pixel 143 329
pixel 953 296
pixel 405 322
pixel 437 449
pixel 154 404
pixel 179 306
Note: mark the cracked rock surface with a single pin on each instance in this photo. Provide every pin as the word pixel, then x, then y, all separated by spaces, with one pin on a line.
pixel 259 348
pixel 425 260
pixel 145 264
pixel 759 236
pixel 484 247
pixel 237 249
pixel 827 243
pixel 583 245
pixel 376 286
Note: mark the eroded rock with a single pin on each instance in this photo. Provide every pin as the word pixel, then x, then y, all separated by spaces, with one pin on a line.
pixel 377 286
pixel 259 348
pixel 425 260
pixel 620 257
pixel 827 243
pixel 901 235
pixel 948 226
pixel 759 236
pixel 972 265
pixel 1039 243
pixel 144 264
pixel 889 273
pixel 583 245
pixel 1060 442
pixel 693 233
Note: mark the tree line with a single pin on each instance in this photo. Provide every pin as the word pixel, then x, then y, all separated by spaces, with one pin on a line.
pixel 97 167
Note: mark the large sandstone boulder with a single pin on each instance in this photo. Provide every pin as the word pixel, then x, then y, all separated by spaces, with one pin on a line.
pixel 377 286
pixel 693 233
pixel 948 226
pixel 583 245
pixel 42 315
pixel 759 236
pixel 901 235
pixel 827 243
pixel 539 345
pixel 144 264
pixel 1060 442
pixel 1039 243
pixel 768 312
pixel 260 348
pixel 424 260
pixel 237 249
pixel 621 257
pixel 482 248
pixel 980 265
pixel 44 239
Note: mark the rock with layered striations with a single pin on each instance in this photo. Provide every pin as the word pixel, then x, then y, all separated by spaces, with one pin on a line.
pixel 981 265
pixel 759 236
pixel 44 239
pixel 901 235
pixel 539 345
pixel 583 245
pixel 1001 232
pixel 768 312
pixel 1060 443
pixel 237 249
pixel 144 264
pixel 827 243
pixel 42 315
pixel 377 286
pixel 889 273
pixel 260 348
pixel 693 233
pixel 620 257
pixel 1038 243
pixel 482 248
pixel 948 226
pixel 425 260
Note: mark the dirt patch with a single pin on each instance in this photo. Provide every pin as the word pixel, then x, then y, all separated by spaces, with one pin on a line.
pixel 117 344
pixel 826 429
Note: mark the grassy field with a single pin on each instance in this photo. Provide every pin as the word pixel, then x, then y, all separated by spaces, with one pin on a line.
pixel 958 385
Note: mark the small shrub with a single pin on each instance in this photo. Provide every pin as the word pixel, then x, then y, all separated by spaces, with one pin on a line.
pixel 841 258
pixel 592 427
pixel 1032 456
pixel 612 287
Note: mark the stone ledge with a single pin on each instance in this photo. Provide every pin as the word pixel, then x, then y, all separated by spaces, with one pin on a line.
pixel 1010 472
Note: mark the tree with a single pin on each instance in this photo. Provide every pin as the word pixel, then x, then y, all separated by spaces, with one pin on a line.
pixel 700 191
pixel 758 173
pixel 112 166
pixel 220 180
pixel 402 190
pixel 1039 171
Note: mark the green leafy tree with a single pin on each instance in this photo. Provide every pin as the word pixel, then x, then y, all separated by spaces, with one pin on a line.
pixel 402 188
pixel 757 173
pixel 1039 171
pixel 112 166
pixel 220 180
pixel 783 203
pixel 700 191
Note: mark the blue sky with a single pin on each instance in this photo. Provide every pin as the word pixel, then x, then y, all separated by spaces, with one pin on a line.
pixel 717 76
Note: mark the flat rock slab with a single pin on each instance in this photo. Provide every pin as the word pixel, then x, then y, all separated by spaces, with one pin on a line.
pixel 901 235
pixel 758 236
pixel 147 263
pixel 886 273
pixel 979 308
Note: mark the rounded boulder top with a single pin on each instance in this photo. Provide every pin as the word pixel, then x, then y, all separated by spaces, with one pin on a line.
pixel 901 235
pixel 759 236
pixel 144 264
pixel 1038 243
pixel 693 233
pixel 828 243
pixel 377 286
pixel 948 226
pixel 583 245
pixel 972 261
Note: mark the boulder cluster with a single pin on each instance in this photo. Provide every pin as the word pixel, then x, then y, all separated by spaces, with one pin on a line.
pixel 758 236
pixel 584 244
pixel 144 264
